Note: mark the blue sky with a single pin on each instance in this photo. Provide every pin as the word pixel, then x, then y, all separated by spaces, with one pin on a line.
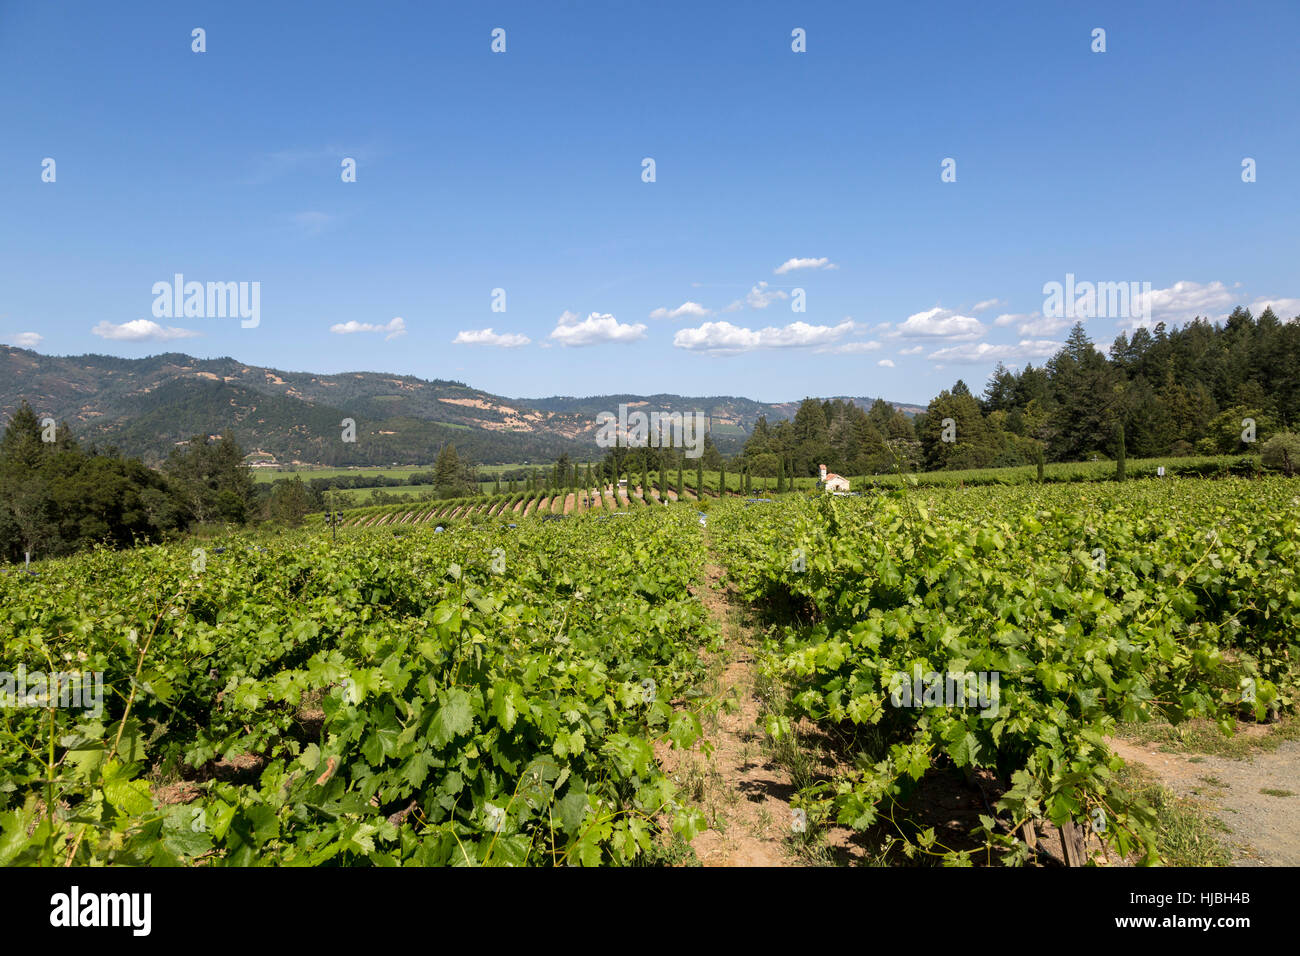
pixel 522 171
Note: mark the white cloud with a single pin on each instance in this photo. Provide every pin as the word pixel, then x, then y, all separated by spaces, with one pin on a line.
pixel 26 340
pixel 725 337
pixel 854 348
pixel 395 328
pixel 596 329
pixel 717 337
pixel 986 304
pixel 1010 318
pixel 1184 301
pixel 760 297
pixel 790 265
pixel 1042 325
pixel 1284 309
pixel 940 323
pixel 914 350
pixel 972 353
pixel 141 330
pixel 886 363
pixel 693 309
pixel 1180 302
pixel 504 340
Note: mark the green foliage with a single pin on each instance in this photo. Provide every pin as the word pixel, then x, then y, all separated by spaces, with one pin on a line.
pixel 210 478
pixel 447 477
pixel 56 498
pixel 389 700
pixel 1213 466
pixel 289 503
pixel 1093 604
pixel 1282 452
pixel 836 433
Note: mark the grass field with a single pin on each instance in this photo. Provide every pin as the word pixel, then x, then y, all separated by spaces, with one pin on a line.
pixel 352 496
pixel 1199 466
pixel 308 472
pixel 1206 466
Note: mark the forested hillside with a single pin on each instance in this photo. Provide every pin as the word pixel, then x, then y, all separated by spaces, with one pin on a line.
pixel 1203 388
pixel 145 407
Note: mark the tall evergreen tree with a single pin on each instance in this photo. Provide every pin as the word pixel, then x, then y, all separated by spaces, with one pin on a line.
pixel 446 472
pixel 289 501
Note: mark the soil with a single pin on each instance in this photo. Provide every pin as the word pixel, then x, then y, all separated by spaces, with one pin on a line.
pixel 1261 829
pixel 746 792
pixel 746 796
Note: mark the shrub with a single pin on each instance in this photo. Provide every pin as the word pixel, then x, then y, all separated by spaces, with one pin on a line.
pixel 1282 452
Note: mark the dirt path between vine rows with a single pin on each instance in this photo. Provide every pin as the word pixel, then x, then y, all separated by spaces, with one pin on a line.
pixel 744 794
pixel 1262 827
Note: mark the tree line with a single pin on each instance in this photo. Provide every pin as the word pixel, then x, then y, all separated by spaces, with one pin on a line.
pixel 1204 388
pixel 57 497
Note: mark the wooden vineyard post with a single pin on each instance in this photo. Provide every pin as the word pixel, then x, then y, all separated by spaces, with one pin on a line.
pixel 1030 835
pixel 1072 844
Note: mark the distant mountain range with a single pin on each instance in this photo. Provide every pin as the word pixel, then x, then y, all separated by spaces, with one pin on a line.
pixel 147 406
